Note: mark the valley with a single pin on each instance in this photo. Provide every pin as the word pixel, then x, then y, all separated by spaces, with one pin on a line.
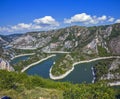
pixel 74 54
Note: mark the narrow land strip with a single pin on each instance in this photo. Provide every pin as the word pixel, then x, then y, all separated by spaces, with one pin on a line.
pixel 69 71
pixel 24 69
pixel 57 52
pixel 22 55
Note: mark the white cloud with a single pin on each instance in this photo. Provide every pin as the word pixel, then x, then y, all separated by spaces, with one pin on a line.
pixel 102 18
pixel 46 21
pixel 21 26
pixel 117 21
pixel 85 19
pixel 2 29
pixel 111 19
pixel 34 27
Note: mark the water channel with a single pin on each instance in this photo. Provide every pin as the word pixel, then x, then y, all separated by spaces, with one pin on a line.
pixel 81 73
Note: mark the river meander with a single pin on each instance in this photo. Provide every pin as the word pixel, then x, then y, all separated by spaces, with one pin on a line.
pixel 81 73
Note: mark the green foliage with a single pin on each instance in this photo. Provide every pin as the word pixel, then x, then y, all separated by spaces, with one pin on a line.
pixel 1 50
pixel 102 51
pixel 115 33
pixel 92 29
pixel 101 68
pixel 63 64
pixel 92 91
pixel 21 51
pixel 70 37
pixel 21 83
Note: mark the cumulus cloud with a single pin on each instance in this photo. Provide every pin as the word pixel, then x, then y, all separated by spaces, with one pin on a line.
pixel 117 21
pixel 102 18
pixel 46 21
pixel 111 19
pixel 3 29
pixel 85 19
pixel 21 26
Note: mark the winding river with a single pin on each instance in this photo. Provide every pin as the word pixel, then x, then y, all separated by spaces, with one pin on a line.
pixel 82 72
pixel 41 69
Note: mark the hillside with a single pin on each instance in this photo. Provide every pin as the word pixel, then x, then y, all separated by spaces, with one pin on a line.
pixel 22 86
pixel 74 38
pixel 80 43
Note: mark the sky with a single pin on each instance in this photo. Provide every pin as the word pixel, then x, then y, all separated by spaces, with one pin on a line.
pixel 20 16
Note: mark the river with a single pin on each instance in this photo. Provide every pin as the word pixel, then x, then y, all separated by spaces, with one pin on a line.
pixel 18 59
pixel 41 69
pixel 81 73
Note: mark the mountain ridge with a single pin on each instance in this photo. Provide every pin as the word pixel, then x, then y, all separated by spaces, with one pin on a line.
pixel 70 39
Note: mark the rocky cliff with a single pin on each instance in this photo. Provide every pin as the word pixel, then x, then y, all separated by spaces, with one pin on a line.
pixel 5 65
pixel 75 38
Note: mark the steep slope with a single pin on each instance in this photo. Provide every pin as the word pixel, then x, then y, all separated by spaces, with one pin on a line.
pixel 74 38
pixel 5 65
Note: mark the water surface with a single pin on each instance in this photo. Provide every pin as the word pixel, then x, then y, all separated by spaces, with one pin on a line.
pixel 18 59
pixel 41 69
pixel 81 73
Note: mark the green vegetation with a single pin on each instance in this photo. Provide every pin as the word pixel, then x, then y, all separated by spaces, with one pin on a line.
pixel 105 67
pixel 102 51
pixel 101 68
pixel 22 86
pixel 66 61
pixel 63 64
pixel 116 70
pixel 92 29
pixel 1 51
pixel 115 33
pixel 21 51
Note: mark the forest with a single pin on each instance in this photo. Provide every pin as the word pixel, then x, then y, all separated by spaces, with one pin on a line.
pixel 21 86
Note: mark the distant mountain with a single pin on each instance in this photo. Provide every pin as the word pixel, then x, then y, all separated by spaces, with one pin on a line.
pixel 4 42
pixel 9 38
pixel 74 38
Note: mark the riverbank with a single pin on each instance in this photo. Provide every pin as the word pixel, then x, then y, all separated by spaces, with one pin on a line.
pixel 24 69
pixel 69 71
pixel 27 48
pixel 93 73
pixel 57 52
pixel 61 76
pixel 114 83
pixel 22 55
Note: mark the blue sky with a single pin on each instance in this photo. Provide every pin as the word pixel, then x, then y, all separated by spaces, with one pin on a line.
pixel 18 16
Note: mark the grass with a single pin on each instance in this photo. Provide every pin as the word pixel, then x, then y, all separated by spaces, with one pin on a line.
pixel 36 93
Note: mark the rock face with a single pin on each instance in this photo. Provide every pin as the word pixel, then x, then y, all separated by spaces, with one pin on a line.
pixel 113 71
pixel 26 41
pixel 74 38
pixel 5 65
pixel 115 45
pixel 2 41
